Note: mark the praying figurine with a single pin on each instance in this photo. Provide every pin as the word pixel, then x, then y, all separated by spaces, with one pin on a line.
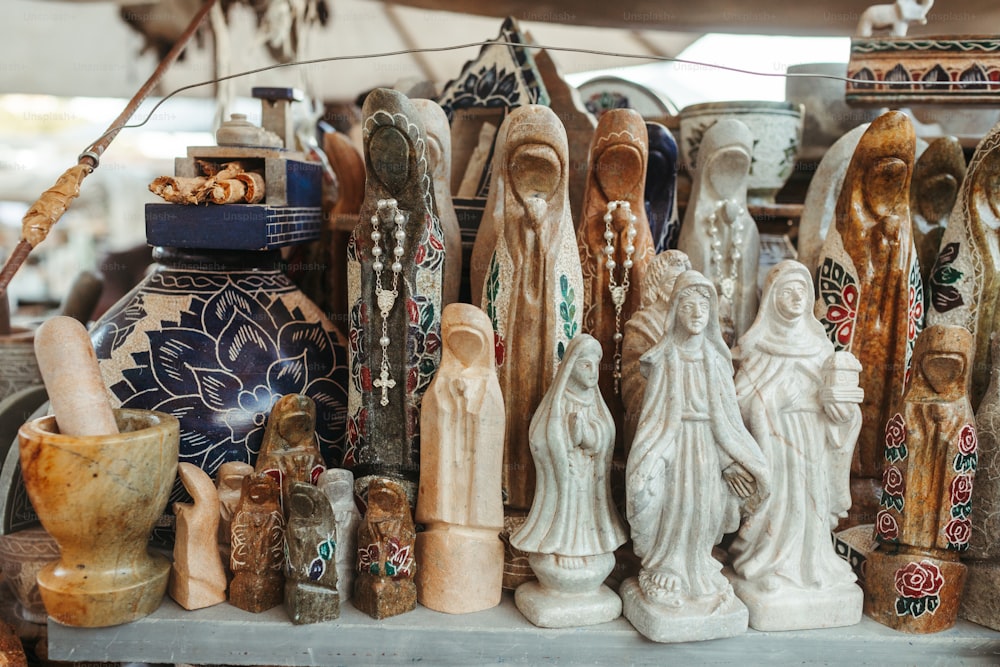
pixel 914 579
pixel 310 562
pixel 229 485
pixel 937 177
pixel 718 233
pixel 459 501
pixel 533 291
pixel 338 485
pixel 258 554
pixel 573 528
pixel 197 578
pixel 289 452
pixel 693 470
pixel 394 273
pixel 661 187
pixel 806 422
pixel 384 586
pixel 646 328
pixel 869 292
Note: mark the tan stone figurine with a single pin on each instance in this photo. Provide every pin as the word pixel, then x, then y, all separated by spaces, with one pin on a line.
pixel 197 578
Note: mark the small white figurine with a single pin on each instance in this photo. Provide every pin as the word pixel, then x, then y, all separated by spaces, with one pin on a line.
pixel 573 527
pixel 338 486
pixel 896 17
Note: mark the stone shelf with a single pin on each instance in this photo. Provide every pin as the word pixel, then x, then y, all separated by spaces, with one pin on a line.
pixel 230 636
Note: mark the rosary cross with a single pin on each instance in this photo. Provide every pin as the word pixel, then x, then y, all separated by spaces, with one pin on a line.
pixel 385 383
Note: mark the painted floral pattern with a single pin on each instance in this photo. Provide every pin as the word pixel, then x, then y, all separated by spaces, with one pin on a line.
pixel 967 459
pixel 893 488
pixel 918 587
pixel 567 314
pixel 915 314
pixel 958 532
pixel 945 295
pixel 960 493
pixel 886 527
pixel 895 439
pixel 838 291
pixel 398 560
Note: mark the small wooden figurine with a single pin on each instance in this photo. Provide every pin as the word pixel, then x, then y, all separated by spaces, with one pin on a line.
pixel 661 187
pixel 258 555
pixel 692 471
pixel 937 177
pixel 197 578
pixel 338 485
pixel 289 452
pixel 229 484
pixel 310 557
pixel 459 501
pixel 718 233
pixel 384 586
pixel 914 579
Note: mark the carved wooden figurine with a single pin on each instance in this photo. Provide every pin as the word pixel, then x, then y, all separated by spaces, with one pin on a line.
pixel 289 452
pixel 258 555
pixel 914 580
pixel 806 421
pixel 615 244
pixel 693 469
pixel 384 586
pixel 310 557
pixel 533 291
pixel 965 280
pixel 197 578
pixel 395 263
pixel 661 187
pixel 573 528
pixel 646 328
pixel 229 483
pixel 870 298
pixel 937 177
pixel 459 502
pixel 338 485
pixel 718 233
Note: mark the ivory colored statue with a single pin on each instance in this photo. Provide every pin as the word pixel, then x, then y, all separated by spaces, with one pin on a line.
pixel 718 233
pixel 289 452
pixel 937 177
pixel 646 328
pixel 384 586
pixel 914 579
pixel 258 555
pixel 573 528
pixel 197 578
pixel 806 419
pixel 459 501
pixel 338 485
pixel 310 557
pixel 692 471
pixel 229 483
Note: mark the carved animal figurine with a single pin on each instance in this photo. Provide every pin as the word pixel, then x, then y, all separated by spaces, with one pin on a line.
pixel 310 557
pixel 718 233
pixel 533 291
pixel 661 187
pixel 258 555
pixel 937 177
pixel 229 483
pixel 646 328
pixel 870 295
pixel 384 586
pixel 197 578
pixel 459 501
pixel 573 528
pixel 806 423
pixel 914 579
pixel 965 280
pixel 692 471
pixel 289 452
pixel 615 244
pixel 896 18
pixel 395 262
pixel 338 485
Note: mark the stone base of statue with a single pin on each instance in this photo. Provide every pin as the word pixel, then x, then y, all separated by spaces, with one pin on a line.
pixel 461 569
pixel 913 592
pixel 696 620
pixel 381 597
pixel 516 570
pixel 980 603
pixel 308 603
pixel 788 607
pixel 569 591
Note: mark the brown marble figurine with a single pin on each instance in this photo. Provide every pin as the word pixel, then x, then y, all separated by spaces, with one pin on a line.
pixel 870 296
pixel 937 176
pixel 197 578
pixel 258 555
pixel 310 565
pixel 289 452
pixel 914 579
pixel 386 567
pixel 229 485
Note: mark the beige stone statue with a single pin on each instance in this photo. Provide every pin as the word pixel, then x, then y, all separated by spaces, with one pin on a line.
pixel 289 452
pixel 197 578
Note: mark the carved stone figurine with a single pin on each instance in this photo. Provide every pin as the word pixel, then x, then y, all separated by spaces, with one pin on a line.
pixel 806 419
pixel 258 555
pixel 229 483
pixel 394 274
pixel 384 586
pixel 914 580
pixel 870 296
pixel 646 328
pixel 459 501
pixel 197 578
pixel 573 528
pixel 289 452
pixel 895 17
pixel 533 291
pixel 937 177
pixel 965 281
pixel 718 233
pixel 338 485
pixel 661 187
pixel 310 557
pixel 692 471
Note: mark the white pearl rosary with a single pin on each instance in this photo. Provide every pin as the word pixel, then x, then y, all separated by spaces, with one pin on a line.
pixel 619 292
pixel 727 283
pixel 386 299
